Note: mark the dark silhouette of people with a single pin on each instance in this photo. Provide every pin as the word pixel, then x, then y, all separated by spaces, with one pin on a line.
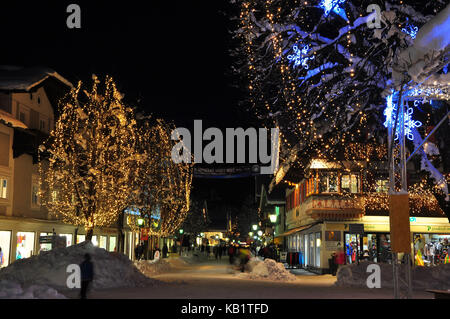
pixel 87 275
pixel 231 254
pixel 219 251
pixel 165 250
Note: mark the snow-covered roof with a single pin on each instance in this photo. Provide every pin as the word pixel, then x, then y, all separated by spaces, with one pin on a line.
pixel 6 117
pixel 14 78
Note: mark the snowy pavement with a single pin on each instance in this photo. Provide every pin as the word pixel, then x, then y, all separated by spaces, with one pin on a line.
pixel 217 280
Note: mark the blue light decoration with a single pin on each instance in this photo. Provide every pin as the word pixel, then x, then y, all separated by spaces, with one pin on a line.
pixel 300 57
pixel 333 5
pixel 409 123
pixel 156 214
pixel 411 30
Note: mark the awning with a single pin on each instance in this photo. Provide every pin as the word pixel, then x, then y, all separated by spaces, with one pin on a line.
pixel 293 230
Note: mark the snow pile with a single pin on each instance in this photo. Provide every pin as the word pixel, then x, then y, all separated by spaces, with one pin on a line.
pixel 435 277
pixel 269 269
pixel 152 267
pixel 50 268
pixel 13 290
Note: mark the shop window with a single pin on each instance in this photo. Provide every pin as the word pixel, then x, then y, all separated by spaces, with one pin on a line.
pixel 81 238
pixel 3 188
pixel 68 239
pixel 94 241
pixel 385 248
pixel 381 186
pixel 311 249
pixel 25 245
pixel 102 242
pixel 328 182
pixel 5 244
pixel 318 245
pixel 45 246
pixel 350 183
pixel 431 249
pixel 42 125
pixel 112 243
pixel 306 250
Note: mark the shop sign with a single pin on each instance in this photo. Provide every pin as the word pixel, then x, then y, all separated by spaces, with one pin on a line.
pixel 335 203
pixel 356 229
pixel 430 229
pixel 45 239
pixel 375 227
pixel 333 235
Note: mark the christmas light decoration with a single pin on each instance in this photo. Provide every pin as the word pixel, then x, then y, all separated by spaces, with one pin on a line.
pixel 86 164
pixel 300 57
pixel 332 5
pixel 409 123
pixel 411 30
pixel 162 187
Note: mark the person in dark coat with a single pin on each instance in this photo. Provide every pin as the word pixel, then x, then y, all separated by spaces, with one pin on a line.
pixel 165 251
pixel 231 254
pixel 87 275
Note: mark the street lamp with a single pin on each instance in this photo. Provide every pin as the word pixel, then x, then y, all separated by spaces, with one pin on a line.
pixel 181 231
pixel 140 222
pixel 255 227
pixel 260 233
pixel 273 220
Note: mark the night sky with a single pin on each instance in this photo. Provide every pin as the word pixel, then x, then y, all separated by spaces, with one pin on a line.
pixel 169 58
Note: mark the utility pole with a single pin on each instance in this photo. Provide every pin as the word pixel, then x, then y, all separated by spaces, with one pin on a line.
pixel 399 204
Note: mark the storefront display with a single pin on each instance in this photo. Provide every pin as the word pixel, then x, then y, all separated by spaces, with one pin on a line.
pixel 5 244
pixel 431 249
pixel 94 241
pixel 352 248
pixel 25 245
pixel 68 239
pixel 81 238
pixel 102 242
pixel 47 245
pixel 112 243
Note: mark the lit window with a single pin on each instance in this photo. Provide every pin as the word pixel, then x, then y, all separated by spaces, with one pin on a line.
pixel 381 186
pixel 328 182
pixel 3 187
pixel 350 183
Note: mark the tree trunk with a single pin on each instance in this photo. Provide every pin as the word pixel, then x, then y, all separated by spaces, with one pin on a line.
pixel 89 233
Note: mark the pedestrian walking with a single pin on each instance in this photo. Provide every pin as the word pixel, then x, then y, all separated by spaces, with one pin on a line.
pixel 339 258
pixel 1 257
pixel 87 275
pixel 219 248
pixel 165 251
pixel 231 254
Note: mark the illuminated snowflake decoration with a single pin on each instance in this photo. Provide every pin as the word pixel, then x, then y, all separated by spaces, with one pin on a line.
pixel 409 123
pixel 332 5
pixel 300 57
pixel 411 30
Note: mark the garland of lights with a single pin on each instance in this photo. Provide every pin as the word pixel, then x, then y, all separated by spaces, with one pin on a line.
pixel 87 176
pixel 409 123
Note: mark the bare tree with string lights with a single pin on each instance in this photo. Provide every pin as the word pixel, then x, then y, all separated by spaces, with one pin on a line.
pixel 86 165
pixel 162 187
pixel 321 73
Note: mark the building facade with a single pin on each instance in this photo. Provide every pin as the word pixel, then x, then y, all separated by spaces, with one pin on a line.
pixel 330 209
pixel 26 118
